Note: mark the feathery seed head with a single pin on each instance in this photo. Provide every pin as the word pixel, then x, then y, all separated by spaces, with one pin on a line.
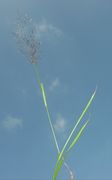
pixel 26 37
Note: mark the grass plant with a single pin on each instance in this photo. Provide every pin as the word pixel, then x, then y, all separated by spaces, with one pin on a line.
pixel 29 44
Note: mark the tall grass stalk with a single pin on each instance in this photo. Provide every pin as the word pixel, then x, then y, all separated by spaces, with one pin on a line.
pixel 48 114
pixel 26 37
pixel 29 45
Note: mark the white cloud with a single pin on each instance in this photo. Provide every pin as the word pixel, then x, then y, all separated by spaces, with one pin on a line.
pixel 46 28
pixel 10 123
pixel 55 83
pixel 60 124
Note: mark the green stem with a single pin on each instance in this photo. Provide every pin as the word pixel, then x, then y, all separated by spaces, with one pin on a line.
pixel 45 104
pixel 48 113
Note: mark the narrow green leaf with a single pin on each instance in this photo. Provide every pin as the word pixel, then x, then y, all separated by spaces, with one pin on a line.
pixel 78 135
pixel 79 120
pixel 60 162
pixel 43 94
pixel 48 114
pixel 58 167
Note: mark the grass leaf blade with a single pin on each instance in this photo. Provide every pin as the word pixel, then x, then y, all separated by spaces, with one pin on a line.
pixel 61 161
pixel 79 120
pixel 43 94
pixel 78 136
pixel 58 167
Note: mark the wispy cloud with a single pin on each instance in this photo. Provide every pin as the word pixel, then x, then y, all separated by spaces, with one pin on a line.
pixel 44 28
pixel 10 123
pixel 60 124
pixel 54 84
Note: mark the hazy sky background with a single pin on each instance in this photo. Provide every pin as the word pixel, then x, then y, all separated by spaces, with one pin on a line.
pixel 75 57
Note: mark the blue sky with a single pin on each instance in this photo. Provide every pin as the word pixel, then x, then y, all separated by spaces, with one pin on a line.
pixel 75 57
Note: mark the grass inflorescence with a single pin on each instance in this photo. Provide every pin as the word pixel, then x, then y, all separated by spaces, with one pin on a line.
pixel 29 44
